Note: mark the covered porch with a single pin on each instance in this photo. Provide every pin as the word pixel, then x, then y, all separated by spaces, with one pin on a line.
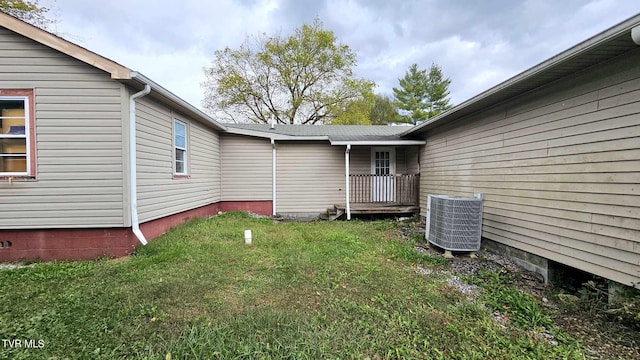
pixel 381 177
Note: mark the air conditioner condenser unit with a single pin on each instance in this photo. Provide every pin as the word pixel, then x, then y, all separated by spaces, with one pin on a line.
pixel 454 223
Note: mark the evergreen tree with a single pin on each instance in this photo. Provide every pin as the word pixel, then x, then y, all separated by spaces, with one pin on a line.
pixel 422 95
pixel 411 96
pixel 437 91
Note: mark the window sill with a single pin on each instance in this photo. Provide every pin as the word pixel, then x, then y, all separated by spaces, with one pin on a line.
pixel 181 176
pixel 17 178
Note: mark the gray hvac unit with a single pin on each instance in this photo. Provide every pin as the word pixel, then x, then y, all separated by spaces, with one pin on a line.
pixel 454 223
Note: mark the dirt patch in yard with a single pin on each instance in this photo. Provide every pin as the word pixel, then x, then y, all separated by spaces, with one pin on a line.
pixel 603 337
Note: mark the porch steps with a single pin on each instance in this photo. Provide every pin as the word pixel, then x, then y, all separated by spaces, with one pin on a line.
pixel 332 214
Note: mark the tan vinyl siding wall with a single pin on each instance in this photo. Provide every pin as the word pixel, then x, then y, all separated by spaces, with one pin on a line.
pixel 560 169
pixel 159 194
pixel 412 158
pixel 310 177
pixel 79 152
pixel 246 168
pixel 360 159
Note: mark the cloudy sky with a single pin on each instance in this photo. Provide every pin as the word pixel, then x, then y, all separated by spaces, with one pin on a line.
pixel 477 43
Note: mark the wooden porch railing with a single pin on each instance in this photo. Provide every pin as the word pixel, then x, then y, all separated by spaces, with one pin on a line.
pixel 391 189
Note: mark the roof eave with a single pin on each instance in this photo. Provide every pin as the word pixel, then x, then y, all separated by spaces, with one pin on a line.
pixel 579 49
pixel 273 135
pixel 379 142
pixel 176 101
pixel 117 71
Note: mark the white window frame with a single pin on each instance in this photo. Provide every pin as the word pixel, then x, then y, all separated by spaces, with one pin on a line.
pixel 26 136
pixel 185 148
pixel 392 158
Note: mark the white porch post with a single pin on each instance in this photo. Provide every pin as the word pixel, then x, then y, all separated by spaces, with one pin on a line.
pixel 273 176
pixel 347 182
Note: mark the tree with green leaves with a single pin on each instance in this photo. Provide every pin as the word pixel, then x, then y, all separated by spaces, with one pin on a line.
pixel 305 78
pixel 355 112
pixel 437 91
pixel 384 111
pixel 27 11
pixel 422 95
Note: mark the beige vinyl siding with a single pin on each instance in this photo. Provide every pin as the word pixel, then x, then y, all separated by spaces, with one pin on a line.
pixel 159 193
pixel 406 161
pixel 560 169
pixel 412 158
pixel 310 177
pixel 401 160
pixel 79 157
pixel 246 168
pixel 359 159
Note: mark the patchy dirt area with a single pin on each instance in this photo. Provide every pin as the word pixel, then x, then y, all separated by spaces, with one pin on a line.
pixel 603 337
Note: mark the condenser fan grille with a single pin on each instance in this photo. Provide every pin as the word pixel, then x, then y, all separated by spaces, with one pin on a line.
pixel 454 223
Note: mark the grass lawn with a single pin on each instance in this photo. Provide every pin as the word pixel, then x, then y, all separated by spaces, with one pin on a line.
pixel 301 291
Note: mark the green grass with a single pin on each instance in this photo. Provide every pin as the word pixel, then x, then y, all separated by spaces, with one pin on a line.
pixel 339 290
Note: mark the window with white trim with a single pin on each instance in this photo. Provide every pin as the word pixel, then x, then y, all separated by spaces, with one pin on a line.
pixel 16 146
pixel 180 147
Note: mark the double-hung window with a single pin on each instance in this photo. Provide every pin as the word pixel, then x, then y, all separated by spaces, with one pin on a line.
pixel 16 143
pixel 180 147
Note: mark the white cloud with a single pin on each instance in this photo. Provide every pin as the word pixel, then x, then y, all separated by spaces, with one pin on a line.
pixel 478 44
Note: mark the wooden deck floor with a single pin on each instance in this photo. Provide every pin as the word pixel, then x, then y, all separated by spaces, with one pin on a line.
pixel 380 208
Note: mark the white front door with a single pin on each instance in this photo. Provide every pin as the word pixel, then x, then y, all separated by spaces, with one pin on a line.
pixel 383 167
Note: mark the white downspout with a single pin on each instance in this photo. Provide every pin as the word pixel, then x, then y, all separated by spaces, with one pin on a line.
pixel 133 183
pixel 273 176
pixel 347 182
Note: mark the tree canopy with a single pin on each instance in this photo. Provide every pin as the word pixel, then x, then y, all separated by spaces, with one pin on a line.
pixel 422 95
pixel 384 111
pixel 412 94
pixel 437 91
pixel 355 112
pixel 305 78
pixel 28 11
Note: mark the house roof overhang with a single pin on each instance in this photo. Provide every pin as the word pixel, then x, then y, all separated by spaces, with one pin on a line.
pixel 378 142
pixel 273 135
pixel 138 81
pixel 116 71
pixel 608 44
pixel 335 142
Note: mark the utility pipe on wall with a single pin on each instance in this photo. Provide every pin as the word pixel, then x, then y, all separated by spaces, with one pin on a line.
pixel 273 176
pixel 133 176
pixel 347 182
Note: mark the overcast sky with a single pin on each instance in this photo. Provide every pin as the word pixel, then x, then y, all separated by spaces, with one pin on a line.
pixel 477 43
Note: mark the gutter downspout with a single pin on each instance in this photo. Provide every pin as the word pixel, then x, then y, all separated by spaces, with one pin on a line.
pixel 273 176
pixel 347 182
pixel 133 180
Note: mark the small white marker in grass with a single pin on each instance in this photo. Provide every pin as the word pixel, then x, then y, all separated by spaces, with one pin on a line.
pixel 247 237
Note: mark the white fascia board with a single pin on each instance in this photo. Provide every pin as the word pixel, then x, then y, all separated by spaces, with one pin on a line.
pixel 581 48
pixel 177 100
pixel 379 142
